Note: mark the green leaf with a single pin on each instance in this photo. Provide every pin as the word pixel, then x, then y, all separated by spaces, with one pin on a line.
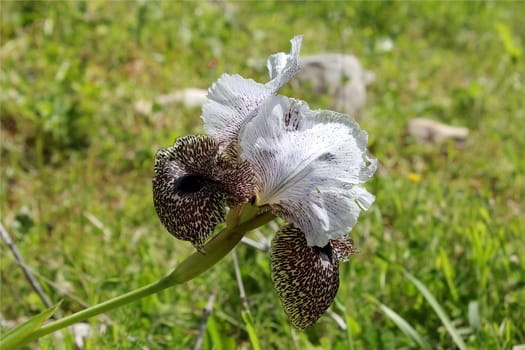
pixel 214 333
pixel 17 336
pixel 401 323
pixel 505 35
pixel 247 318
pixel 448 271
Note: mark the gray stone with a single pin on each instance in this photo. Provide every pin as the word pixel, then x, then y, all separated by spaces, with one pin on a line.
pixel 341 76
pixel 430 131
pixel 190 98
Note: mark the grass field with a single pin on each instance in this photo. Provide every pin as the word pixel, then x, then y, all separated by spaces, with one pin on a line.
pixel 77 163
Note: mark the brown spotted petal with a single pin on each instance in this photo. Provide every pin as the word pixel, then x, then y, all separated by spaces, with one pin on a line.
pixel 193 184
pixel 306 278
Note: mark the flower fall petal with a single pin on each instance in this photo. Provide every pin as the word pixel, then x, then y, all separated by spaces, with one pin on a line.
pixel 305 278
pixel 193 184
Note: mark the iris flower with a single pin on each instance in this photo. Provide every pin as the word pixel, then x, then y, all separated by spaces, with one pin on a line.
pixel 271 151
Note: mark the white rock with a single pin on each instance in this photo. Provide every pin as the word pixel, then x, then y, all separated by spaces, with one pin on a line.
pixel 80 332
pixel 430 131
pixel 339 75
pixel 190 98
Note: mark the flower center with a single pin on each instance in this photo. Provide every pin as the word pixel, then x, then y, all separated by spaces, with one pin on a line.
pixel 325 253
pixel 190 183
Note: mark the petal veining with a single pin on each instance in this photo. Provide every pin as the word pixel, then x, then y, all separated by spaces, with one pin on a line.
pixel 283 67
pixel 233 100
pixel 310 166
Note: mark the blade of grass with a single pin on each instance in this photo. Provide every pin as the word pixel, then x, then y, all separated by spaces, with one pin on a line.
pixel 456 337
pixel 438 309
pixel 252 334
pixel 401 323
pixel 449 273
pixel 15 337
pixel 352 328
pixel 214 334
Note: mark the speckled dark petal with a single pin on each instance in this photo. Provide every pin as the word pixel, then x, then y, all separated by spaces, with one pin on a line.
pixel 306 278
pixel 193 184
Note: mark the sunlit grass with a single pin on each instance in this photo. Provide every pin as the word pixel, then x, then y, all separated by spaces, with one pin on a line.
pixel 77 167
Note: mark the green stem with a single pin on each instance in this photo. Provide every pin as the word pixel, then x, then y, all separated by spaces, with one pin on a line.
pixel 100 308
pixel 190 268
pixel 216 249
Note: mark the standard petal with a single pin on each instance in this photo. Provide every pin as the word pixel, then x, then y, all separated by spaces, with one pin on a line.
pixel 233 100
pixel 305 278
pixel 283 67
pixel 192 185
pixel 310 166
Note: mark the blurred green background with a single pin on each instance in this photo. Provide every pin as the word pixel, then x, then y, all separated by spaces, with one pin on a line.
pixel 77 160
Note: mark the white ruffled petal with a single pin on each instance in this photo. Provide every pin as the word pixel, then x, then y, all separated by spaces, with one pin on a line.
pixel 323 217
pixel 310 166
pixel 283 67
pixel 233 100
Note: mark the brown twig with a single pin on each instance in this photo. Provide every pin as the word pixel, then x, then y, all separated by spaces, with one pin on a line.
pixel 206 312
pixel 32 281
pixel 38 289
